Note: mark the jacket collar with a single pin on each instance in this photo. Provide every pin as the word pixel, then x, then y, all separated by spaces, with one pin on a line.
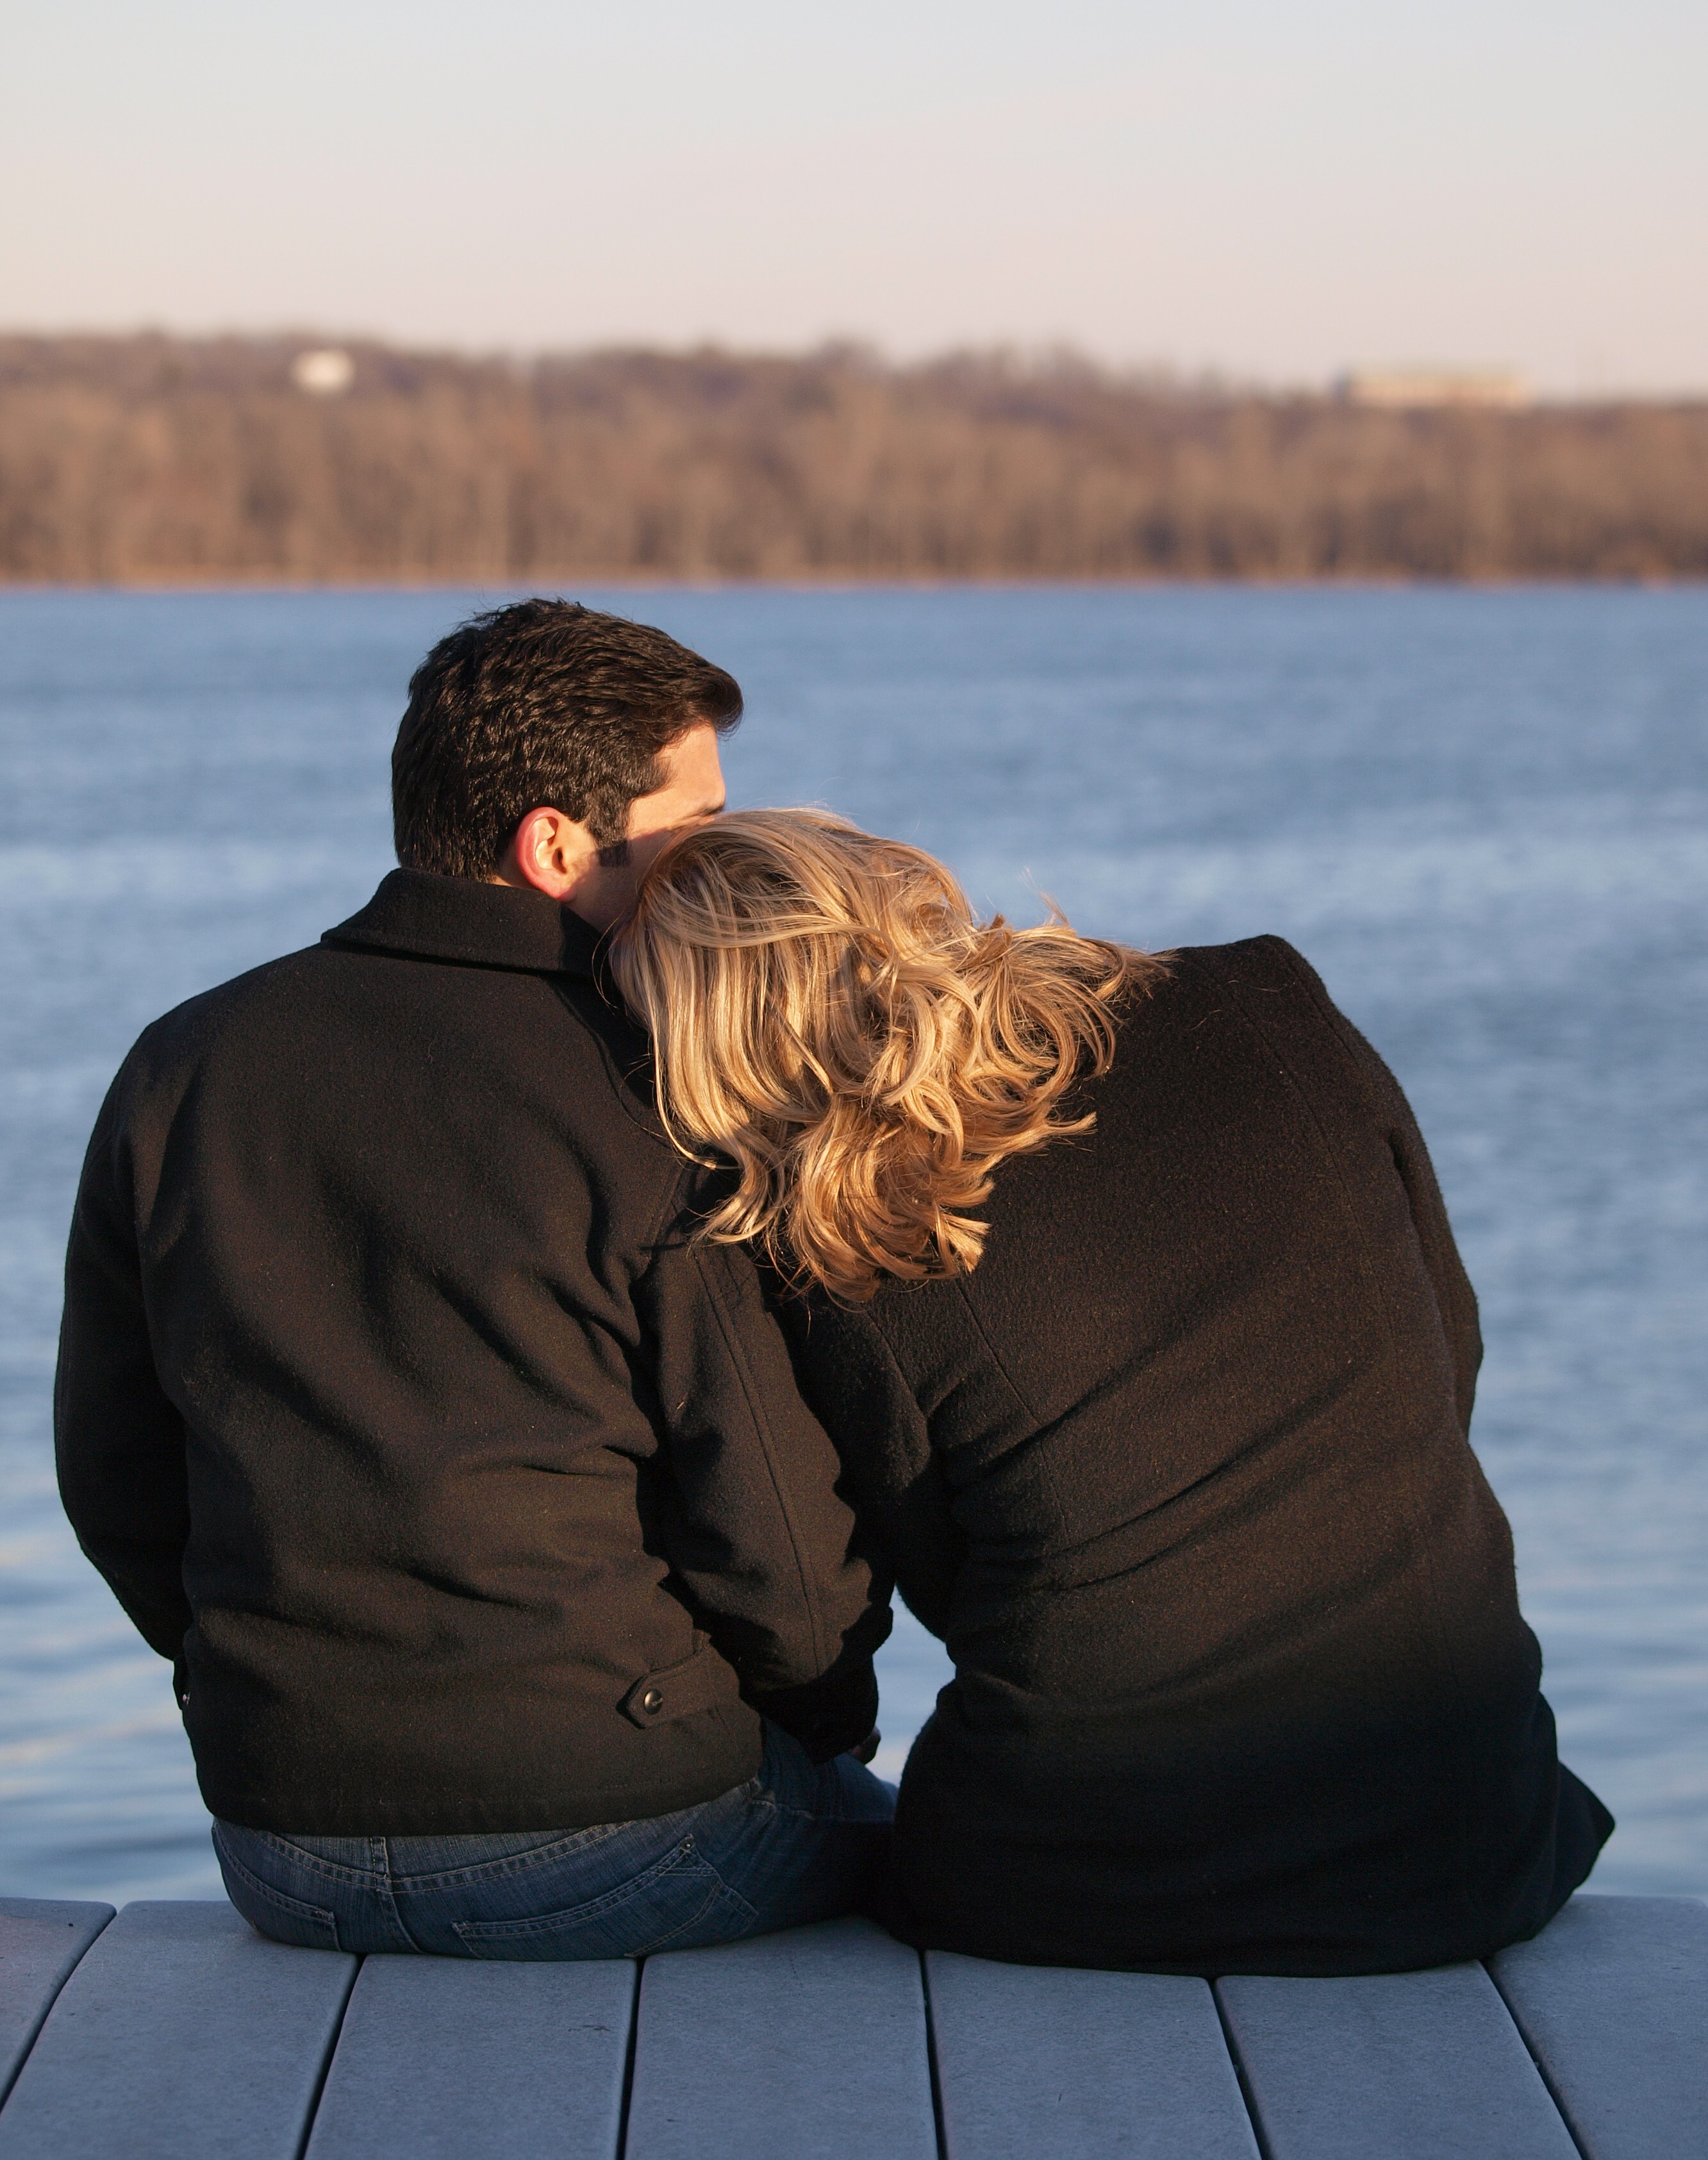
pixel 484 926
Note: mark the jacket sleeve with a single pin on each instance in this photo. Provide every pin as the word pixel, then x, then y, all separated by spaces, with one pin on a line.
pixel 1455 1298
pixel 848 1373
pixel 118 1442
pixel 758 1532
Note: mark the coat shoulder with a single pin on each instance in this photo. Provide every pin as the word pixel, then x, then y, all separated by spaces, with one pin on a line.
pixel 1263 963
pixel 1264 981
pixel 181 1037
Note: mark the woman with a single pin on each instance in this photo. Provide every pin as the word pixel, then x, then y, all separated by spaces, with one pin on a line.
pixel 1167 1441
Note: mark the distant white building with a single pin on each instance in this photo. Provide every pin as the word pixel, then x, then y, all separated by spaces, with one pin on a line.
pixel 1401 388
pixel 322 373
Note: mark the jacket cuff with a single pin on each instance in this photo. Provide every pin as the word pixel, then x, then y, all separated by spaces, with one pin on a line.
pixel 829 1716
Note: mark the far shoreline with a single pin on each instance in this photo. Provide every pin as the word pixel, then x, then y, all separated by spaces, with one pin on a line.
pixel 566 582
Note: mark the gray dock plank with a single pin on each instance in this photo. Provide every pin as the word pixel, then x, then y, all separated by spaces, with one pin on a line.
pixel 1040 2062
pixel 441 2058
pixel 1613 1996
pixel 180 2035
pixel 1401 2066
pixel 808 2045
pixel 41 1940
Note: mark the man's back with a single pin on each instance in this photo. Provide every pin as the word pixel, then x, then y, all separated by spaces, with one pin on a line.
pixel 445 1451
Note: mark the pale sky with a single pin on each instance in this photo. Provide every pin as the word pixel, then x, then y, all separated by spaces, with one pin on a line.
pixel 1276 192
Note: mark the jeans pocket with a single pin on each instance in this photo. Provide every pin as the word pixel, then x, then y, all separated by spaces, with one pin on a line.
pixel 271 1913
pixel 679 1903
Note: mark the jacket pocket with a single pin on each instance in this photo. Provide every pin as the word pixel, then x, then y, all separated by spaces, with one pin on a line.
pixel 700 1682
pixel 679 1903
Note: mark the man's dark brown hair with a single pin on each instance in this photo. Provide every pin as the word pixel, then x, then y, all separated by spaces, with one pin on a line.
pixel 542 704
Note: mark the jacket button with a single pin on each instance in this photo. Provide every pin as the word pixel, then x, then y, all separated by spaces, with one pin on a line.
pixel 653 1702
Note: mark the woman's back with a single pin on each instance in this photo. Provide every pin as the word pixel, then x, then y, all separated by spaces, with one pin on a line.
pixel 1181 1472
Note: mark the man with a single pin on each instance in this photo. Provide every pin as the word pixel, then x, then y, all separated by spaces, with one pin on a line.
pixel 513 1609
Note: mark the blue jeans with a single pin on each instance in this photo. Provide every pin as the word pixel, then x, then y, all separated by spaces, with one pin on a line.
pixel 801 1841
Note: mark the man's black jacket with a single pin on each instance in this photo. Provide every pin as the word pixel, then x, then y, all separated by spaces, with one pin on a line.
pixel 399 1411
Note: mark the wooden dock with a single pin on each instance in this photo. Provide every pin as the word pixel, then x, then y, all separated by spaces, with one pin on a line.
pixel 173 2032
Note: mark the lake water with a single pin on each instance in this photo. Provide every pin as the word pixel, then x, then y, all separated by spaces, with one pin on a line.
pixel 1483 814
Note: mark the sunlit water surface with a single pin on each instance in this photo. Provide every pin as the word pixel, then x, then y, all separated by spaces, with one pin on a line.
pixel 1484 816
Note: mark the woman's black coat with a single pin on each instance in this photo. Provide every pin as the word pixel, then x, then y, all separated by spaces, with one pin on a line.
pixel 1180 1475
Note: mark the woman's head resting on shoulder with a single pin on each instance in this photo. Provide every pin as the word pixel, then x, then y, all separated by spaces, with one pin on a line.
pixel 827 1013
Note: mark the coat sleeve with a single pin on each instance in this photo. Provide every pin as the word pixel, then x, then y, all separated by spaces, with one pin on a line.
pixel 118 1442
pixel 1455 1298
pixel 849 1375
pixel 758 1532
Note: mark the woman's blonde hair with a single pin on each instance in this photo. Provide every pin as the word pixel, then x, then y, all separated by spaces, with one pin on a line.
pixel 827 1012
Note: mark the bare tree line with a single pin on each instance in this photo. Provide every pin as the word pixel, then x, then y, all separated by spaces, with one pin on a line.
pixel 148 459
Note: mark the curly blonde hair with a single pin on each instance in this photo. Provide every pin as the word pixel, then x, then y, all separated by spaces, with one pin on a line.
pixel 827 1013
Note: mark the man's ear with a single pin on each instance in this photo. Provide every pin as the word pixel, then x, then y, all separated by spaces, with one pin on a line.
pixel 552 853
